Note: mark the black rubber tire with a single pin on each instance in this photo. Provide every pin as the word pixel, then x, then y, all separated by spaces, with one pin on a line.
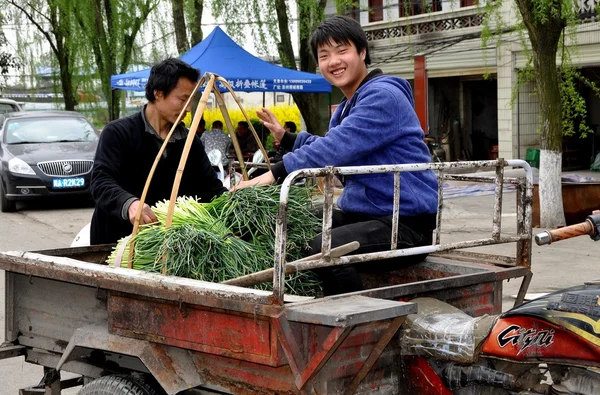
pixel 117 385
pixel 6 206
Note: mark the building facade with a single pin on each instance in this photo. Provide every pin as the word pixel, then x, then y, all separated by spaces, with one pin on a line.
pixel 464 90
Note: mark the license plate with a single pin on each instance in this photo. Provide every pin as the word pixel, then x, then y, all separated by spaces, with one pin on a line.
pixel 61 183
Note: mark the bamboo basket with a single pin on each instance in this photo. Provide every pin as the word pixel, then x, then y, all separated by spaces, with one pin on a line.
pixel 210 80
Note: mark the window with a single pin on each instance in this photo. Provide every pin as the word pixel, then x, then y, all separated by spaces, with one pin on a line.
pixel 280 98
pixel 418 7
pixel 468 3
pixel 375 10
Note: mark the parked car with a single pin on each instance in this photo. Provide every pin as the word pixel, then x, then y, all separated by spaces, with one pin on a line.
pixel 44 154
pixel 8 105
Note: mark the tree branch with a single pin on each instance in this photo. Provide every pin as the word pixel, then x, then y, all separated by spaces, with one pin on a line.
pixel 37 25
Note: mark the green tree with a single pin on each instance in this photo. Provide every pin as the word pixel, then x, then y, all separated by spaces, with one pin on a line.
pixel 53 19
pixel 545 27
pixel 269 23
pixel 181 40
pixel 110 28
pixel 7 60
pixel 196 9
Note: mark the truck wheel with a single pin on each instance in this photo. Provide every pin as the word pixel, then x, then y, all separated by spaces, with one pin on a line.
pixel 117 385
pixel 6 206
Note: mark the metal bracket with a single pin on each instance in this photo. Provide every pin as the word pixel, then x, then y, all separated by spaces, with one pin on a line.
pixel 305 371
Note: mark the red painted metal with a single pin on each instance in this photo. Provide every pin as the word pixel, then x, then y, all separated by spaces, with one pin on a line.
pixel 421 379
pixel 324 351
pixel 375 354
pixel 543 341
pixel 239 336
pixel 421 92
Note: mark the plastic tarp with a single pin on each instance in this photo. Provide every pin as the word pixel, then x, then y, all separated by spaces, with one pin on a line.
pixel 443 332
pixel 220 55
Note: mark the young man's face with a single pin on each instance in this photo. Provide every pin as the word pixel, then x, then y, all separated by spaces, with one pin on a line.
pixel 171 105
pixel 342 65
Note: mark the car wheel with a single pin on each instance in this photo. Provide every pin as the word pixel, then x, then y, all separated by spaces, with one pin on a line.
pixel 6 206
pixel 117 385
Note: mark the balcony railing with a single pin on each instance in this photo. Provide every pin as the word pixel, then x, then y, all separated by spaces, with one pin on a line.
pixel 427 23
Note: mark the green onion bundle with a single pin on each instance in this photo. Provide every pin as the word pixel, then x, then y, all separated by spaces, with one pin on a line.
pixel 231 236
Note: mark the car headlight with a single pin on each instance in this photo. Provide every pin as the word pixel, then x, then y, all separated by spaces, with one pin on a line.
pixel 18 166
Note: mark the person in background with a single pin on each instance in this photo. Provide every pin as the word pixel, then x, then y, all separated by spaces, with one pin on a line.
pixel 128 148
pixel 201 127
pixel 246 139
pixel 217 139
pixel 375 124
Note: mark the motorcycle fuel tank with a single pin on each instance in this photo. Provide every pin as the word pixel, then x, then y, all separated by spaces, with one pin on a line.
pixel 564 325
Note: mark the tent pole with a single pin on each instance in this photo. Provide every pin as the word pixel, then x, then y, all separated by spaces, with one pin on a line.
pixel 330 106
pixel 264 98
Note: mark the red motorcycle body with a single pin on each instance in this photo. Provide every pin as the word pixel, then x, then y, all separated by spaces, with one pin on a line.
pixel 563 326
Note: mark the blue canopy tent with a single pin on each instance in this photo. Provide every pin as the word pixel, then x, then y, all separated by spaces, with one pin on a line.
pixel 219 54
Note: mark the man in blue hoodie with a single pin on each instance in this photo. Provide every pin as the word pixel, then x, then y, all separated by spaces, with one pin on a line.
pixel 375 124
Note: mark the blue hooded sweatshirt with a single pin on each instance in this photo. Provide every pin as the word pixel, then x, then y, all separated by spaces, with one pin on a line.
pixel 378 126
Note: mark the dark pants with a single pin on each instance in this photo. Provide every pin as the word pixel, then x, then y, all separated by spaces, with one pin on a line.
pixel 374 234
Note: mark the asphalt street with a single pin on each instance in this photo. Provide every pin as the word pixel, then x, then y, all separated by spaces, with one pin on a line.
pixel 568 263
pixel 36 226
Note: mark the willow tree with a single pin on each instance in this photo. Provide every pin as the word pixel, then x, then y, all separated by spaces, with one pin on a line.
pixel 53 20
pixel 177 8
pixel 270 24
pixel 111 28
pixel 196 8
pixel 7 59
pixel 548 31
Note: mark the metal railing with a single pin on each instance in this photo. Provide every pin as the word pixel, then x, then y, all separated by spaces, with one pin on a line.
pixel 426 23
pixel 524 214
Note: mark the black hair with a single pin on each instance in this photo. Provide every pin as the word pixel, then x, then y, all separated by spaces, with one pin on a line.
pixel 217 123
pixel 342 30
pixel 291 125
pixel 243 123
pixel 202 122
pixel 165 75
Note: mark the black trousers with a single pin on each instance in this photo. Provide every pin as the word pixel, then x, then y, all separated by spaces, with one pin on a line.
pixel 374 234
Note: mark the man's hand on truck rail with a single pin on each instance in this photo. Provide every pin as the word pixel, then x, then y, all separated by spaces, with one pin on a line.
pixel 148 216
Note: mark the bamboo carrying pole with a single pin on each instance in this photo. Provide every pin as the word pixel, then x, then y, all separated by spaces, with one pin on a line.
pixel 308 263
pixel 138 215
pixel 210 85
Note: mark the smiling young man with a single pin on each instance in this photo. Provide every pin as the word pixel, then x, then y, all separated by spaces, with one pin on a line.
pixel 127 150
pixel 374 125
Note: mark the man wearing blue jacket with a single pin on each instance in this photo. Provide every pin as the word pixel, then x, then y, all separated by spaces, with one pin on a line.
pixel 375 124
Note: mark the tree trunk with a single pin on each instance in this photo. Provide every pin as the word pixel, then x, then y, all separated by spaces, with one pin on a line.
pixel 544 34
pixel 179 23
pixel 306 102
pixel 66 83
pixel 196 27
pixel 547 84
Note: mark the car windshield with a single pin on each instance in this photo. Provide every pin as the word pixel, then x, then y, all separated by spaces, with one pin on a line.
pixel 49 130
pixel 7 107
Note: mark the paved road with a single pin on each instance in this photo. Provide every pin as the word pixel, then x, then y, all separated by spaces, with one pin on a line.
pixel 563 264
pixel 35 227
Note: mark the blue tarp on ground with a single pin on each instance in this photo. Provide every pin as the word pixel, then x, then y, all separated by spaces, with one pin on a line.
pixel 220 55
